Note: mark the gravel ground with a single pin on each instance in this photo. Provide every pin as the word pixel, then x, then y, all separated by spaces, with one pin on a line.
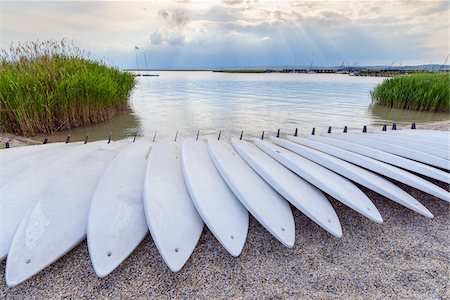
pixel 16 141
pixel 405 257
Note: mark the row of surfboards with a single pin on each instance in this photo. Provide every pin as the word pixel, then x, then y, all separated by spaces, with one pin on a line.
pixel 55 195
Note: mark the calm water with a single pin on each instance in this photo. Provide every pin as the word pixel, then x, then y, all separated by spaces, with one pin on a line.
pixel 209 102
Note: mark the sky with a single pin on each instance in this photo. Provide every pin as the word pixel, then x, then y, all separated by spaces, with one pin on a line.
pixel 188 34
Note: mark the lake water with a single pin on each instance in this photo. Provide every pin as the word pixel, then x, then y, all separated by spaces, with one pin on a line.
pixel 209 102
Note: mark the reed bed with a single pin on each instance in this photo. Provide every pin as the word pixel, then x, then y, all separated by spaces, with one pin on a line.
pixel 52 85
pixel 425 92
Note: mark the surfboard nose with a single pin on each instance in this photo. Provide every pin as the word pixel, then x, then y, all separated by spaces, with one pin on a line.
pixel 102 267
pixel 3 251
pixel 421 209
pixel 335 230
pixel 15 274
pixel 373 214
pixel 286 234
pixel 427 213
pixel 235 249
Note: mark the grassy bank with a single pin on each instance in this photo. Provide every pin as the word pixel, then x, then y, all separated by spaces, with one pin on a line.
pixel 428 92
pixel 48 86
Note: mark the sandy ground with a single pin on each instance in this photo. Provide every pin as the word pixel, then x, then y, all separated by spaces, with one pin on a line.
pixel 405 257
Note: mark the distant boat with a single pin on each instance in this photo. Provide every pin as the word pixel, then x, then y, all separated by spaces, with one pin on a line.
pixel 147 75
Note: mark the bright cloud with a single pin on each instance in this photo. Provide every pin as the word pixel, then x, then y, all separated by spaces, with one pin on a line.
pixel 234 33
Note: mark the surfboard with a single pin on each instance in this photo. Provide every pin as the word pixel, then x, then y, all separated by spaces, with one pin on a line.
pixel 116 222
pixel 357 174
pixel 405 163
pixel 422 146
pixel 378 167
pixel 10 153
pixel 442 143
pixel 57 222
pixel 219 208
pixel 304 196
pixel 172 218
pixel 15 166
pixel 260 199
pixel 422 132
pixel 21 193
pixel 16 152
pixel 436 136
pixel 331 183
pixel 394 149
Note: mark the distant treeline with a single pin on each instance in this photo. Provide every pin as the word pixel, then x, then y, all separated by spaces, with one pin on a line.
pixel 48 86
pixel 244 71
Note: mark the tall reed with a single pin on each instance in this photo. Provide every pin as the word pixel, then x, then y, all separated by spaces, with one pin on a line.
pixel 47 86
pixel 421 91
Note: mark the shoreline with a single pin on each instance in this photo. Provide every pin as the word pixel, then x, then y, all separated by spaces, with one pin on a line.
pixel 17 141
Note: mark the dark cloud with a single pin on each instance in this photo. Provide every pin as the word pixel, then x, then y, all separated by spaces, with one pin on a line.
pixel 180 17
pixel 232 2
pixel 163 13
pixel 441 6
pixel 176 39
pixel 156 38
pixel 241 31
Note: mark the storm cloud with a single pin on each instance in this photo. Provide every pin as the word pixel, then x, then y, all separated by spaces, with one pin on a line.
pixel 239 33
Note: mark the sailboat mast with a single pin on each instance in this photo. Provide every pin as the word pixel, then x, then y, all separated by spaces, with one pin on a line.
pixel 145 58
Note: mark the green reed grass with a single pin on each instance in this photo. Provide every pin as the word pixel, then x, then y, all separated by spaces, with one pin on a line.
pixel 48 86
pixel 426 91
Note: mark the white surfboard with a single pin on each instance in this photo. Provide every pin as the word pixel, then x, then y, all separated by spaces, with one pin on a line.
pixel 16 152
pixel 422 146
pixel 437 134
pixel 389 158
pixel 21 193
pixel 58 220
pixel 260 199
pixel 394 149
pixel 116 223
pixel 219 208
pixel 434 137
pixel 305 197
pixel 13 167
pixel 378 167
pixel 8 155
pixel 171 216
pixel 357 174
pixel 442 143
pixel 331 183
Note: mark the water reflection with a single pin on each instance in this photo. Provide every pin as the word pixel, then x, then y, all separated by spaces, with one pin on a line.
pixel 122 125
pixel 381 115
pixel 207 101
